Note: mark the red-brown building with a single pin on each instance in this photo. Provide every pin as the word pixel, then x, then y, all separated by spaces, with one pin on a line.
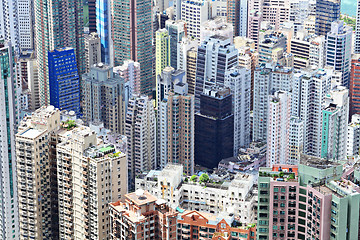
pixel 354 90
pixel 142 216
pixel 200 225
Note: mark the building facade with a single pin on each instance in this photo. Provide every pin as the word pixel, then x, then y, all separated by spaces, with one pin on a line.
pixel 103 27
pixel 127 32
pixel 223 56
pixel 142 216
pixel 214 127
pixel 338 50
pixel 327 11
pixel 88 180
pixel 237 15
pixel 51 34
pixel 104 98
pixel 64 80
pixel 9 219
pixel 237 79
pixel 278 128
pixel 92 50
pixel 140 125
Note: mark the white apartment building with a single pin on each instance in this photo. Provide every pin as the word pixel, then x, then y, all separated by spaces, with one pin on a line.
pixel 317 52
pixel 353 138
pixel 237 196
pixel 195 13
pixel 267 79
pixel 216 26
pixel 237 79
pixel 309 90
pixel 17 23
pixel 278 128
pixel 140 126
pixel 130 71
pixel 296 140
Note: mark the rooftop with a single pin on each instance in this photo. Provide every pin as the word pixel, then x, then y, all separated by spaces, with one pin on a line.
pixel 317 162
pixel 141 197
pixel 31 133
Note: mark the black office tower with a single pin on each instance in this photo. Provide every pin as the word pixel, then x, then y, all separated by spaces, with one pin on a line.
pixel 92 15
pixel 214 127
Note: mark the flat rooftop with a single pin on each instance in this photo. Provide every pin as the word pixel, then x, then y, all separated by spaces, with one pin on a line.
pixel 141 197
pixel 31 133
pixel 317 162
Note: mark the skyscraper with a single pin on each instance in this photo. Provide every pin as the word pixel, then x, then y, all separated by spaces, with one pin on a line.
pixel 103 26
pixel 103 173
pixel 237 15
pixel 181 124
pixel 140 126
pixel 327 11
pixel 176 31
pixel 162 50
pixel 64 80
pixel 104 99
pixel 354 92
pixel 36 180
pixel 237 79
pixel 267 79
pixel 195 13
pixel 309 90
pixel 335 117
pixel 8 121
pixel 92 50
pixel 357 30
pixel 51 33
pixel 130 72
pixel 215 55
pixel 132 37
pixel 175 129
pixel 214 127
pixel 278 128
pixel 338 50
pixel 25 23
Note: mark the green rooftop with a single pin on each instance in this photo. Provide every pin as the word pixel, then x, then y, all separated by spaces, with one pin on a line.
pixel 107 149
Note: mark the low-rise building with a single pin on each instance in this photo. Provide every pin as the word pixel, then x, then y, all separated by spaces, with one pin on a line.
pixel 201 225
pixel 142 216
pixel 236 196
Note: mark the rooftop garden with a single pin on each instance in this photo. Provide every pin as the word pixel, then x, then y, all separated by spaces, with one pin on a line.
pixel 69 124
pixel 204 179
pixel 286 176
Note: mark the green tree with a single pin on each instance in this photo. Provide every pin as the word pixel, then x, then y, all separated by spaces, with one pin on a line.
pixel 204 178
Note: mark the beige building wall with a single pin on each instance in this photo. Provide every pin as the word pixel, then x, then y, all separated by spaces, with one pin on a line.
pixel 34 158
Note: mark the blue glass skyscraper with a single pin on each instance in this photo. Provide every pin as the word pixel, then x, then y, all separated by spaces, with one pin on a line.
pixel 103 27
pixel 327 11
pixel 64 80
